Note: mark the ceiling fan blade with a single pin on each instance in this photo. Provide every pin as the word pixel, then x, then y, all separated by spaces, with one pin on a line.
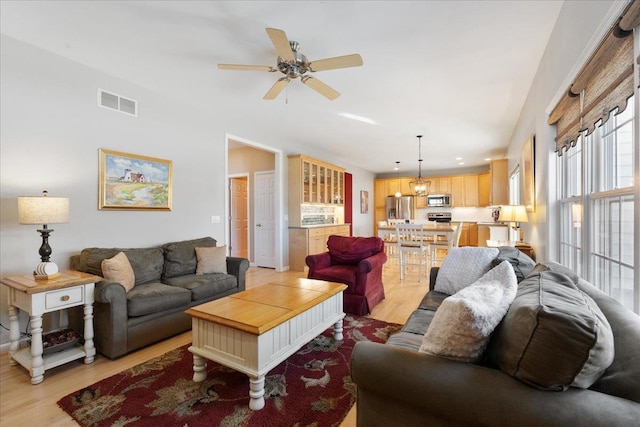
pixel 345 61
pixel 276 88
pixel 320 87
pixel 281 43
pixel 246 67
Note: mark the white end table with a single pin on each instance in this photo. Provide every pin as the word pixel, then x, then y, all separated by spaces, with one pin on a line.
pixel 36 297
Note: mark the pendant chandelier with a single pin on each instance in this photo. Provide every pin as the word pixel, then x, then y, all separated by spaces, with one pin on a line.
pixel 398 192
pixel 420 186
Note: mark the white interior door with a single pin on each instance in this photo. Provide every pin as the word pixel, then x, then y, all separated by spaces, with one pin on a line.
pixel 265 223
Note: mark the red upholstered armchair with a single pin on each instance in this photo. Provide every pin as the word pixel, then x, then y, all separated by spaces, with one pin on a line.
pixel 357 262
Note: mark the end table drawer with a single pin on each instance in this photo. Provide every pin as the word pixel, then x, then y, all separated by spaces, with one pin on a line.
pixel 64 297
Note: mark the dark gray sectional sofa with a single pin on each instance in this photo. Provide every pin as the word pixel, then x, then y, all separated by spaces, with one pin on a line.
pixel 398 385
pixel 165 286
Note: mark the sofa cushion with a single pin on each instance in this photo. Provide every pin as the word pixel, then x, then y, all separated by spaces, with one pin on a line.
pixel 151 298
pixel 622 377
pixel 352 250
pixel 211 260
pixel 554 335
pixel 432 300
pixel 204 286
pixel 118 269
pixel 461 327
pixel 147 263
pixel 180 257
pixel 410 337
pixel 463 266
pixel 522 264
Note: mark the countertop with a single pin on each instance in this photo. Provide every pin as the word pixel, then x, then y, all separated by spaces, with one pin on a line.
pixel 317 225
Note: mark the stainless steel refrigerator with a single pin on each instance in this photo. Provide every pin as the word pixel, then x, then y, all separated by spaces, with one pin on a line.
pixel 400 207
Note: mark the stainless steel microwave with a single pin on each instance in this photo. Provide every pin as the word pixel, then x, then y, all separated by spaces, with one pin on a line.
pixel 439 200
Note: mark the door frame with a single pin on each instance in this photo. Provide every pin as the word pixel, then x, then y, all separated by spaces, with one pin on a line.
pixel 249 205
pixel 279 170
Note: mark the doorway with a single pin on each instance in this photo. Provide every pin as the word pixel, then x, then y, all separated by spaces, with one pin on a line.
pixel 246 158
pixel 239 216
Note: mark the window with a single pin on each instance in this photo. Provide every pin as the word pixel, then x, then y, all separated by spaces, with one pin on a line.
pixel 596 207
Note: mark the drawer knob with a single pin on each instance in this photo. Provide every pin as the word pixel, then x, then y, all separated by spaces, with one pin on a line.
pixel 65 298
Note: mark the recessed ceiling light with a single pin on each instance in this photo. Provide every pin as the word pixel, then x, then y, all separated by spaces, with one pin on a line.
pixel 358 118
pixel 487 159
pixel 461 163
pixel 458 158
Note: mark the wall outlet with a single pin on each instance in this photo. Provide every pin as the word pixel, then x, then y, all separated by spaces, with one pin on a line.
pixel 215 219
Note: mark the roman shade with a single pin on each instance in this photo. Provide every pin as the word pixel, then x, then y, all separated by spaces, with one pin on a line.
pixel 605 83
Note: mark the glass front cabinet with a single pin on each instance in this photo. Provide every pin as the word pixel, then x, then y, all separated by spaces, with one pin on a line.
pixel 313 182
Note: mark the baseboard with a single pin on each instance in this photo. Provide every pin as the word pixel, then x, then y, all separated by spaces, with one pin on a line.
pixel 4 348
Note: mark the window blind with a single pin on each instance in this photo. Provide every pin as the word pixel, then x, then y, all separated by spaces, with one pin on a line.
pixel 604 84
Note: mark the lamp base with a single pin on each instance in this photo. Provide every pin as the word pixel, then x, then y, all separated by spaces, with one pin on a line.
pixel 46 271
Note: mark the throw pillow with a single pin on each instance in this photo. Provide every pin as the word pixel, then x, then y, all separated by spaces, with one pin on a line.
pixel 554 336
pixel 463 323
pixel 463 266
pixel 521 262
pixel 118 269
pixel 211 260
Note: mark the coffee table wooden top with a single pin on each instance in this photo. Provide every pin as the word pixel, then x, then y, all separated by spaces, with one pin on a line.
pixel 264 307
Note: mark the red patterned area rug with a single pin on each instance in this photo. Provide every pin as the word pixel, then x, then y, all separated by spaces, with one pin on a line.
pixel 311 388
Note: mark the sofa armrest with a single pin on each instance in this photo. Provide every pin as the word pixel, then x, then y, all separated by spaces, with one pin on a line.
pixel 432 277
pixel 373 262
pixel 412 385
pixel 238 267
pixel 110 318
pixel 318 261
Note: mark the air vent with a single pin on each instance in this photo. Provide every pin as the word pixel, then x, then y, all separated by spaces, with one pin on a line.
pixel 116 102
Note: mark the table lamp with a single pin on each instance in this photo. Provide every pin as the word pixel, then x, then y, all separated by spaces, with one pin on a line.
pixel 514 214
pixel 44 210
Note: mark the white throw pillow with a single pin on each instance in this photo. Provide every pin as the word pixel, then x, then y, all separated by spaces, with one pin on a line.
pixel 463 266
pixel 462 325
pixel 211 260
pixel 118 269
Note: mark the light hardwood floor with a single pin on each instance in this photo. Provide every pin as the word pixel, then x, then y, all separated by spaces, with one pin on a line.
pixel 24 404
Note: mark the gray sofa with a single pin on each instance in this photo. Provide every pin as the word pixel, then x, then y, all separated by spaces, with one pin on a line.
pixel 398 385
pixel 165 286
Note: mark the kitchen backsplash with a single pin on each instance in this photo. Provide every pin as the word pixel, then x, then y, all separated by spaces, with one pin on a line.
pixel 316 215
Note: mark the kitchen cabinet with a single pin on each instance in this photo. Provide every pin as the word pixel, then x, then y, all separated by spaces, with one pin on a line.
pixel 468 234
pixel 310 240
pixel 440 185
pixel 484 189
pixel 464 190
pixel 313 182
pixel 499 183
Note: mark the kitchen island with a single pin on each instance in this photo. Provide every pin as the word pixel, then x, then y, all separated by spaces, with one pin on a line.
pixel 309 240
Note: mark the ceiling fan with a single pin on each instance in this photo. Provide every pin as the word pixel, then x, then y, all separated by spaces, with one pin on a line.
pixel 294 64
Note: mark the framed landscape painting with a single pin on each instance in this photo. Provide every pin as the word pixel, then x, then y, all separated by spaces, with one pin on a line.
pixel 131 181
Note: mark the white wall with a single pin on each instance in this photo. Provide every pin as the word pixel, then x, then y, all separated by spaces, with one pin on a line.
pixel 51 132
pixel 577 23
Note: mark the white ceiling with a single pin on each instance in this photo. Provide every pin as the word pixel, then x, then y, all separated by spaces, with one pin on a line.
pixel 457 72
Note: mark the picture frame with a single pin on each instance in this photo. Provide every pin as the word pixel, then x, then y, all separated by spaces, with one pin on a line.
pixel 364 201
pixel 528 174
pixel 132 181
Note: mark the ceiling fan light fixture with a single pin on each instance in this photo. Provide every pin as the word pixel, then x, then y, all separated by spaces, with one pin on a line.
pixel 294 64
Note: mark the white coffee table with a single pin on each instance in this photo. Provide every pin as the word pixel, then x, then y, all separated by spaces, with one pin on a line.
pixel 255 330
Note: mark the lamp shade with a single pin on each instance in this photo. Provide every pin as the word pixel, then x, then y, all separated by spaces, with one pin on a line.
pixel 43 210
pixel 513 213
